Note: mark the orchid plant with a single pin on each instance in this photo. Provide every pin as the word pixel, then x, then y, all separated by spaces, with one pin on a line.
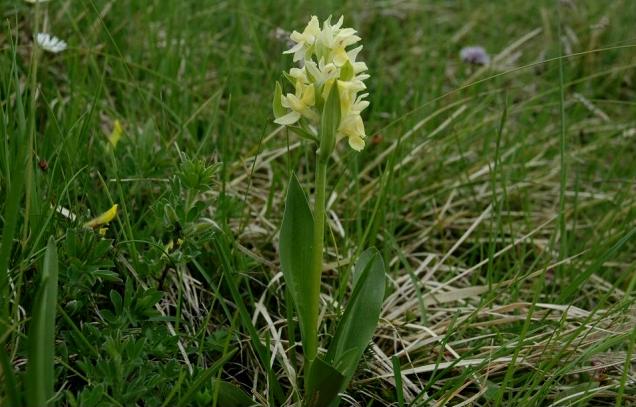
pixel 325 107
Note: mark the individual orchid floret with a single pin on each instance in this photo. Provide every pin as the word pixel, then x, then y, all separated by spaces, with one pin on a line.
pixel 358 67
pixel 333 40
pixel 321 73
pixel 301 103
pixel 305 40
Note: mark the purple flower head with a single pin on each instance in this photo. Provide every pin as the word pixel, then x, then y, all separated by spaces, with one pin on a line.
pixel 474 55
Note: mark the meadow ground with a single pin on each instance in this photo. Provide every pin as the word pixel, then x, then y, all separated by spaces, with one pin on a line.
pixel 502 198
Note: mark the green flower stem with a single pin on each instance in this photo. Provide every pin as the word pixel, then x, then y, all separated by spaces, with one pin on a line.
pixel 29 182
pixel 316 261
pixel 319 215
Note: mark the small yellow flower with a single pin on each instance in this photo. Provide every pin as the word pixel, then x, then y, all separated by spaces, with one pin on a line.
pixel 116 134
pixel 171 246
pixel 102 219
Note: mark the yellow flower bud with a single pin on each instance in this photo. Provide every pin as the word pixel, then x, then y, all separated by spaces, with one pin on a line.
pixel 102 219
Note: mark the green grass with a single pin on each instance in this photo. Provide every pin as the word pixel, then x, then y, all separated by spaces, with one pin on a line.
pixel 502 200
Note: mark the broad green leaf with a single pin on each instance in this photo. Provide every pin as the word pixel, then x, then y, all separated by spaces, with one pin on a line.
pixel 296 241
pixel 230 395
pixel 329 122
pixel 323 384
pixel 40 375
pixel 277 106
pixel 361 315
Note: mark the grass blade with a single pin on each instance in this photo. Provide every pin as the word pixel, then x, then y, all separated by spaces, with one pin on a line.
pixel 229 277
pixel 11 391
pixel 40 376
pixel 397 373
pixel 204 378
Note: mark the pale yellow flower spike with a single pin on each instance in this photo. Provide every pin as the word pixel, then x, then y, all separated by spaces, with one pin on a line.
pixel 103 219
pixel 323 59
pixel 116 134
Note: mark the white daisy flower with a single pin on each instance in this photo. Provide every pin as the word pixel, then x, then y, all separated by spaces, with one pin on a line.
pixel 50 43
